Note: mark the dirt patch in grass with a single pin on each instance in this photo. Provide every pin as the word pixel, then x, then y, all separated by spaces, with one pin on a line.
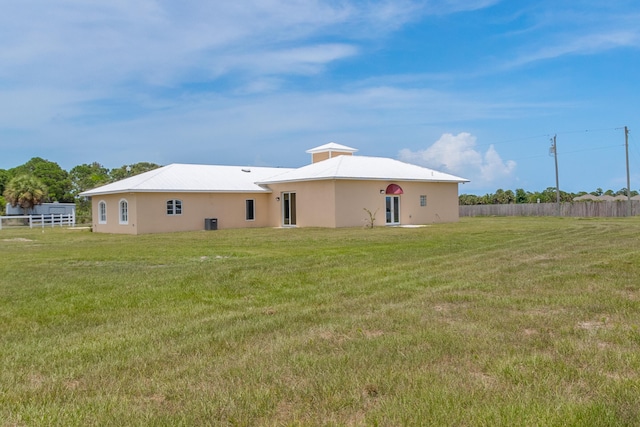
pixel 333 336
pixel 373 333
pixel 592 325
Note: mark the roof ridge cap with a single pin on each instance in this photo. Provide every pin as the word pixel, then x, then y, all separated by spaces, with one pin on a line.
pixel 152 174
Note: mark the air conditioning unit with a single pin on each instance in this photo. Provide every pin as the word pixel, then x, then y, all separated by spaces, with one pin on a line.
pixel 211 224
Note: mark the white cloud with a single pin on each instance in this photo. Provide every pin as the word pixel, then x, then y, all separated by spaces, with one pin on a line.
pixel 107 42
pixel 581 45
pixel 581 27
pixel 459 155
pixel 258 117
pixel 277 125
pixel 305 60
pixel 452 6
pixel 72 43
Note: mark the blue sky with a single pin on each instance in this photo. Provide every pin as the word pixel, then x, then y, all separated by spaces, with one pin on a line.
pixel 476 88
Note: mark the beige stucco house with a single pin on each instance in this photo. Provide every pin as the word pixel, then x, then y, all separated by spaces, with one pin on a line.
pixel 335 190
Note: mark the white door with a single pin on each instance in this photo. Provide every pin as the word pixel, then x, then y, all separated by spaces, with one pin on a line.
pixel 393 210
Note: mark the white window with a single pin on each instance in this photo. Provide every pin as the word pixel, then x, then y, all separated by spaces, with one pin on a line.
pixel 124 212
pixel 102 212
pixel 174 207
pixel 423 200
pixel 250 210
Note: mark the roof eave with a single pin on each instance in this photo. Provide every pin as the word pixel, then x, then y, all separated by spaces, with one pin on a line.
pixel 339 178
pixel 106 193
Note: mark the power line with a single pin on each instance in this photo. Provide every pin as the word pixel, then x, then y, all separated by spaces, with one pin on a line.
pixel 546 136
pixel 634 146
pixel 591 149
pixel 588 130
pixel 538 156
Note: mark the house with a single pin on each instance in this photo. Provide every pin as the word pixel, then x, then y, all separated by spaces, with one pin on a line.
pixel 335 190
pixel 55 208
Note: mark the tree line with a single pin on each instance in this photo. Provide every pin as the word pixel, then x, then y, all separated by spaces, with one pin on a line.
pixel 505 197
pixel 43 181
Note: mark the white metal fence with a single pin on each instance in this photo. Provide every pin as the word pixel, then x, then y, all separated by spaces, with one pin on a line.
pixel 42 220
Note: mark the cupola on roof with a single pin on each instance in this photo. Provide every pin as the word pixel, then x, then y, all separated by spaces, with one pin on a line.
pixel 332 146
pixel 329 151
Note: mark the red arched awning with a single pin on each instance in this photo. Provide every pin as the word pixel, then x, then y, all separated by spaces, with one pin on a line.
pixel 394 189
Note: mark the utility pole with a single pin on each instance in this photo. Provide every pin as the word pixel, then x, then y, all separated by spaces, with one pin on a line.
pixel 554 150
pixel 626 148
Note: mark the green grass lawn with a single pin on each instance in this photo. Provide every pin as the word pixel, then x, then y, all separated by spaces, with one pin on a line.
pixel 490 321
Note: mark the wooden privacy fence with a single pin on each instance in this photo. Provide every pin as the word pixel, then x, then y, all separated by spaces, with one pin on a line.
pixel 42 220
pixel 577 209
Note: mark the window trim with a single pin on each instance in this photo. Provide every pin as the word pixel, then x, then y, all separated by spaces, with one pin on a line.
pixel 123 214
pixel 252 210
pixel 173 207
pixel 102 212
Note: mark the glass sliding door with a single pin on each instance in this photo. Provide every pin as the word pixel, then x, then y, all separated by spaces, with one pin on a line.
pixel 289 209
pixel 393 210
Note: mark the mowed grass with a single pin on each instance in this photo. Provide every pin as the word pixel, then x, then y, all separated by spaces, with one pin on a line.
pixel 489 321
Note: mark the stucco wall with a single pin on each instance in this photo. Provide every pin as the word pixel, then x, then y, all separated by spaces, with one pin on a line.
pixel 442 203
pixel 341 203
pixel 318 157
pixel 352 197
pixel 228 208
pixel 315 203
pixel 325 203
pixel 113 214
pixel 148 212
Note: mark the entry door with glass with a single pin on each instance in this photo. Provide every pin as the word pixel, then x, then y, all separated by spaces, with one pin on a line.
pixel 393 210
pixel 289 209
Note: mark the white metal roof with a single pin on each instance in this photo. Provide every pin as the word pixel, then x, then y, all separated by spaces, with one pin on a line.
pixel 192 178
pixel 238 179
pixel 332 146
pixel 362 168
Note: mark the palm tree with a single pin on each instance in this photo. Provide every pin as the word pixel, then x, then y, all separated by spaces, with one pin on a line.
pixel 25 191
